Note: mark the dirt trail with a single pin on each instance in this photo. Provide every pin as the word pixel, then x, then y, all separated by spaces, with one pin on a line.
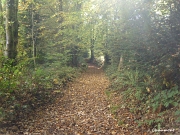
pixel 82 110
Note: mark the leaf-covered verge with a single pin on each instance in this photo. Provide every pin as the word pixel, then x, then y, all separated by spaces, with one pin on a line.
pixel 138 101
pixel 24 89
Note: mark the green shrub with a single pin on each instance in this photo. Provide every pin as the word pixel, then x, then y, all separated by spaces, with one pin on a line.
pixel 167 98
pixel 143 95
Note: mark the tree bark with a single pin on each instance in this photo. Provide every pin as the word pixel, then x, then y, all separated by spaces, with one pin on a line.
pixel 60 5
pixel 32 34
pixel 1 13
pixel 92 43
pixel 1 8
pixel 120 66
pixel 92 50
pixel 11 29
pixel 60 10
pixel 2 28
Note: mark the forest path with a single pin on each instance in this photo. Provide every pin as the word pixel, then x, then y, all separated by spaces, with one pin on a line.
pixel 83 110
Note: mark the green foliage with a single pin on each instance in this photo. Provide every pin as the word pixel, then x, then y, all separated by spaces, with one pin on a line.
pixel 168 98
pixel 149 122
pixel 114 109
pixel 22 81
pixel 149 79
pixel 9 76
pixel 51 51
pixel 108 94
pixel 177 113
pixel 53 42
pixel 2 115
pixel 141 94
pixel 41 79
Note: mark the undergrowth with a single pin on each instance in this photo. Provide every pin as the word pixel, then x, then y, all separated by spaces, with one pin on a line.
pixel 23 88
pixel 145 97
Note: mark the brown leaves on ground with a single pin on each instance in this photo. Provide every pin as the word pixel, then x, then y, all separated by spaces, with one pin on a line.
pixel 82 110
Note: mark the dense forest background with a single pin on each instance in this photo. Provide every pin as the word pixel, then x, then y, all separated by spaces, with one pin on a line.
pixel 46 43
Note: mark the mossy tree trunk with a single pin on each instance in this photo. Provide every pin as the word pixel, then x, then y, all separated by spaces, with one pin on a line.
pixel 11 29
pixel 1 13
pixel 2 29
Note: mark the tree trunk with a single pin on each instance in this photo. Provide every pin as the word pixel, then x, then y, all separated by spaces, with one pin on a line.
pixel 60 10
pixel 92 43
pixel 15 27
pixel 92 50
pixel 60 6
pixel 2 29
pixel 11 29
pixel 120 66
pixel 106 59
pixel 1 13
pixel 32 34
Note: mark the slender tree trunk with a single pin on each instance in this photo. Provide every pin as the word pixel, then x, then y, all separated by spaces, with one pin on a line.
pixel 1 13
pixel 60 20
pixel 32 35
pixel 60 10
pixel 15 26
pixel 2 32
pixel 60 5
pixel 92 43
pixel 120 66
pixel 92 50
pixel 11 29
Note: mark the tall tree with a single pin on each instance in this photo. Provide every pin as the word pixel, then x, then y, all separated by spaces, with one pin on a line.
pixel 1 13
pixel 32 33
pixel 2 35
pixel 11 29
